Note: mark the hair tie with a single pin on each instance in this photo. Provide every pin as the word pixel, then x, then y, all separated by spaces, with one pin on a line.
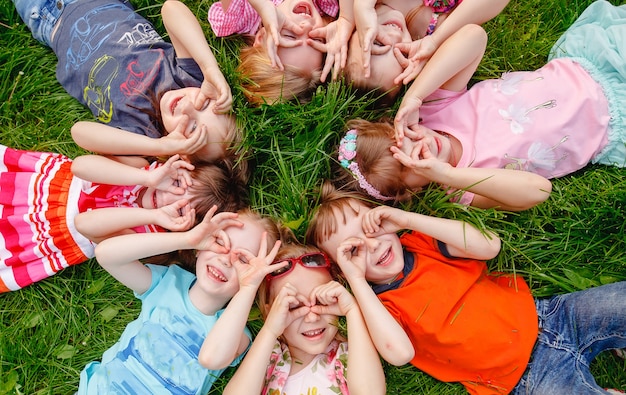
pixel 347 152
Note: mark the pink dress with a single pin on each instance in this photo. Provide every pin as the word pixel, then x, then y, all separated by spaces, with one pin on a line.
pixel 39 199
pixel 551 121
pixel 242 18
pixel 324 375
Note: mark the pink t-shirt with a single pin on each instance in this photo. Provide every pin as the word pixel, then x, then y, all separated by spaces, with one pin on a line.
pixel 552 121
pixel 242 18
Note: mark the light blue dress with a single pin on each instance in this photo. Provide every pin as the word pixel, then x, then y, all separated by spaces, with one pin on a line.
pixel 158 352
pixel 597 41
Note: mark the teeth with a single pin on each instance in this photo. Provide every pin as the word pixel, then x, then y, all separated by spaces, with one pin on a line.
pixel 384 257
pixel 217 274
pixel 313 332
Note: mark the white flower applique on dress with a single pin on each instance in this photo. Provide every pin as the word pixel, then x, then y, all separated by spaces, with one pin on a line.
pixel 541 156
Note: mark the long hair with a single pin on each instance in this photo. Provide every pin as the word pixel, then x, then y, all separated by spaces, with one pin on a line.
pixel 263 84
pixel 375 160
pixel 324 222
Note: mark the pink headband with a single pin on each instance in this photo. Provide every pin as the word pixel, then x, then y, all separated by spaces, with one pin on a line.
pixel 347 152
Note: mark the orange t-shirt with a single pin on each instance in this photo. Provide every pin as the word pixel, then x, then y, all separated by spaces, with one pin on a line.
pixel 465 324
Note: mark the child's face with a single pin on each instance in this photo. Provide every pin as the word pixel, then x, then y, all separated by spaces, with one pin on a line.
pixel 155 198
pixel 384 67
pixel 439 146
pixel 311 334
pixel 382 254
pixel 179 102
pixel 304 14
pixel 215 272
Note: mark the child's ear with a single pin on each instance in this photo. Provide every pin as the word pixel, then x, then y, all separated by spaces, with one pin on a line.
pixel 259 38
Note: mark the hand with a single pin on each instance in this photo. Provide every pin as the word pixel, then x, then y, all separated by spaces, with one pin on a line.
pixel 287 307
pixel 336 36
pixel 251 269
pixel 421 161
pixel 177 216
pixel 216 88
pixel 331 298
pixel 411 58
pixel 209 234
pixel 383 220
pixel 274 22
pixel 366 22
pixel 179 141
pixel 173 176
pixel 407 117
pixel 352 258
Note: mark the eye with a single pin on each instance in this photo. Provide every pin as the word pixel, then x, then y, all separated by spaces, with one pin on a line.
pixel 354 251
pixel 293 307
pixel 288 34
pixel 243 259
pixel 193 127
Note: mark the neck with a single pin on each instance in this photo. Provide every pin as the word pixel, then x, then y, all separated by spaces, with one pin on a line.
pixel 206 304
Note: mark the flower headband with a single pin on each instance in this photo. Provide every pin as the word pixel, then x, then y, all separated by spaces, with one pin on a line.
pixel 347 152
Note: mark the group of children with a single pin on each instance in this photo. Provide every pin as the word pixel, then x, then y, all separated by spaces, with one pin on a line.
pixel 424 298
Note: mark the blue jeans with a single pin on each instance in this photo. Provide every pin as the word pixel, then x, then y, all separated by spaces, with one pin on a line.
pixel 573 329
pixel 41 16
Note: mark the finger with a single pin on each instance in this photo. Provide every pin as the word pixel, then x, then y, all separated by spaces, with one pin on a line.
pixel 201 101
pixel 290 43
pixel 317 45
pixel 399 125
pixel 327 67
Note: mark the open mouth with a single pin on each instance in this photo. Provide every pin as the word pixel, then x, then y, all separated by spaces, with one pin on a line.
pixel 154 199
pixel 386 258
pixel 314 333
pixel 174 104
pixel 302 9
pixel 216 274
pixel 394 25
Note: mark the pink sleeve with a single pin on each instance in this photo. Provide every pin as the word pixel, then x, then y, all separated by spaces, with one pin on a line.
pixel 442 5
pixel 239 18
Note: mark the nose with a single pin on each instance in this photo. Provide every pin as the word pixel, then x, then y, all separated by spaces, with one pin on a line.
pixel 371 244
pixel 311 317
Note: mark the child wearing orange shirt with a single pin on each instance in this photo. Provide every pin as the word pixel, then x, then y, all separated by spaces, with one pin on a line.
pixel 427 298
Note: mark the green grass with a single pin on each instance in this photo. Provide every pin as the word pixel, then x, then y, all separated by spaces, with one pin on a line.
pixel 51 330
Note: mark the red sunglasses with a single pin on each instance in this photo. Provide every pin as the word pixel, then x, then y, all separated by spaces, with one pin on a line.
pixel 314 260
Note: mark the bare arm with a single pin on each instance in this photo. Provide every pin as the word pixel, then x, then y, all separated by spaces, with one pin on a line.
pixel 102 223
pixel 107 140
pixel 506 189
pixel 462 239
pixel 386 333
pixel 120 255
pixel 217 350
pixel 451 67
pixel 189 42
pixel 468 12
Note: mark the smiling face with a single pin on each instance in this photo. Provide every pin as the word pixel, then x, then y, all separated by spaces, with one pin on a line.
pixel 176 103
pixel 152 198
pixel 304 14
pixel 440 147
pixel 384 66
pixel 383 254
pixel 215 273
pixel 311 334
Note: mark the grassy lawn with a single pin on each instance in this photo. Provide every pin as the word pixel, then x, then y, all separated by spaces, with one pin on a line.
pixel 51 330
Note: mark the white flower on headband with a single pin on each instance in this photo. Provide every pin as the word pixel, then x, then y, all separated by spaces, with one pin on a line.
pixel 347 152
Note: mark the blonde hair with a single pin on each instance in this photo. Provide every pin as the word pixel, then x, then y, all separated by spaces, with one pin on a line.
pixel 324 222
pixel 231 138
pixel 263 84
pixel 375 160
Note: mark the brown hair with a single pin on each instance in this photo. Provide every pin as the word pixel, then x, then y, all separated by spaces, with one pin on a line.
pixel 376 163
pixel 324 221
pixel 263 84
pixel 187 258
pixel 230 139
pixel 290 248
pixel 221 183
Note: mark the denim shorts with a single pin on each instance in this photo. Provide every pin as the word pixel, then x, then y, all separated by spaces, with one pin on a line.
pixel 41 16
pixel 573 329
